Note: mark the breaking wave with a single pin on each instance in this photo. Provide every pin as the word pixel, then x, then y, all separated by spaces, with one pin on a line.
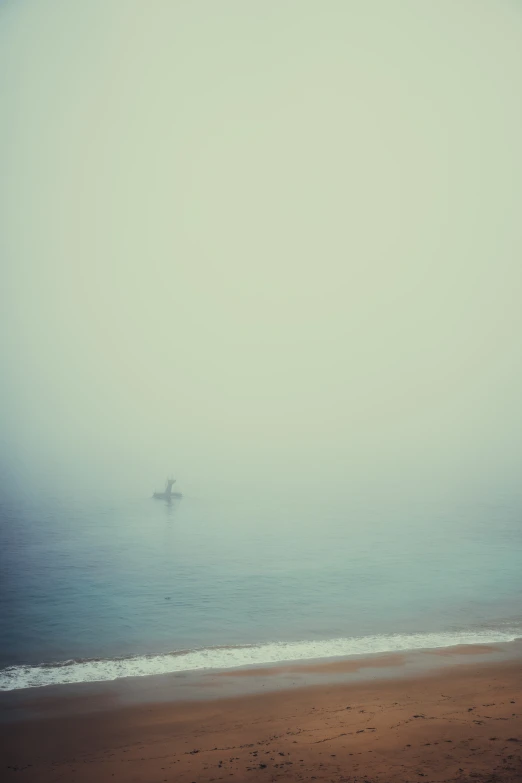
pixel 102 670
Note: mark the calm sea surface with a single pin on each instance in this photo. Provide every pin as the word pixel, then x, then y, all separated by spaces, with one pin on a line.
pixel 136 586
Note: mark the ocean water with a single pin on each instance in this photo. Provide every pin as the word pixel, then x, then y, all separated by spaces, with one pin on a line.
pixel 94 590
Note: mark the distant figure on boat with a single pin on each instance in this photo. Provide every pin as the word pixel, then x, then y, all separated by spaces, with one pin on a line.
pixel 168 494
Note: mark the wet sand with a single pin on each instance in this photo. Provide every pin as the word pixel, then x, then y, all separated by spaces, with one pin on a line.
pixel 460 723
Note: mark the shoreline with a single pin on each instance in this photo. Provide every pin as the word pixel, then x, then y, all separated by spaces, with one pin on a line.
pixel 458 722
pixel 196 661
pixel 211 684
pixel 73 671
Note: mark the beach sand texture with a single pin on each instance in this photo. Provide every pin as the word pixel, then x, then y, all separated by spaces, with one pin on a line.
pixel 462 723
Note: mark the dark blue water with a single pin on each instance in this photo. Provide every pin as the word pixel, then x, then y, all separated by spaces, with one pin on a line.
pixel 134 577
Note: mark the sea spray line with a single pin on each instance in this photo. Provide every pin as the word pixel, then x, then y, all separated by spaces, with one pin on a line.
pixel 103 670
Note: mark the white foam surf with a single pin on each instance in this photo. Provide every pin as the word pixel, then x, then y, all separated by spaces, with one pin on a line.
pixel 77 671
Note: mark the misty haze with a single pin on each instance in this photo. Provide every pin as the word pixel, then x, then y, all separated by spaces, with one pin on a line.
pixel 271 251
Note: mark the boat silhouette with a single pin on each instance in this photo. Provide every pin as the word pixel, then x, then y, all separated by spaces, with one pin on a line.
pixel 168 494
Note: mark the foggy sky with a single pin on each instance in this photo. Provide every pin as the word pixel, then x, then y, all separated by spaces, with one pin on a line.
pixel 277 240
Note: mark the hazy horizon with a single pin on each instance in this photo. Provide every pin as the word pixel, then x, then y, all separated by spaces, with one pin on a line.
pixel 269 243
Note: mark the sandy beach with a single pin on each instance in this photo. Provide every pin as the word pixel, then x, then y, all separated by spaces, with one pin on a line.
pixel 459 723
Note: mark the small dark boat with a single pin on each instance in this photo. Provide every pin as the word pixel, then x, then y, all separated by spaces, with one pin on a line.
pixel 168 494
